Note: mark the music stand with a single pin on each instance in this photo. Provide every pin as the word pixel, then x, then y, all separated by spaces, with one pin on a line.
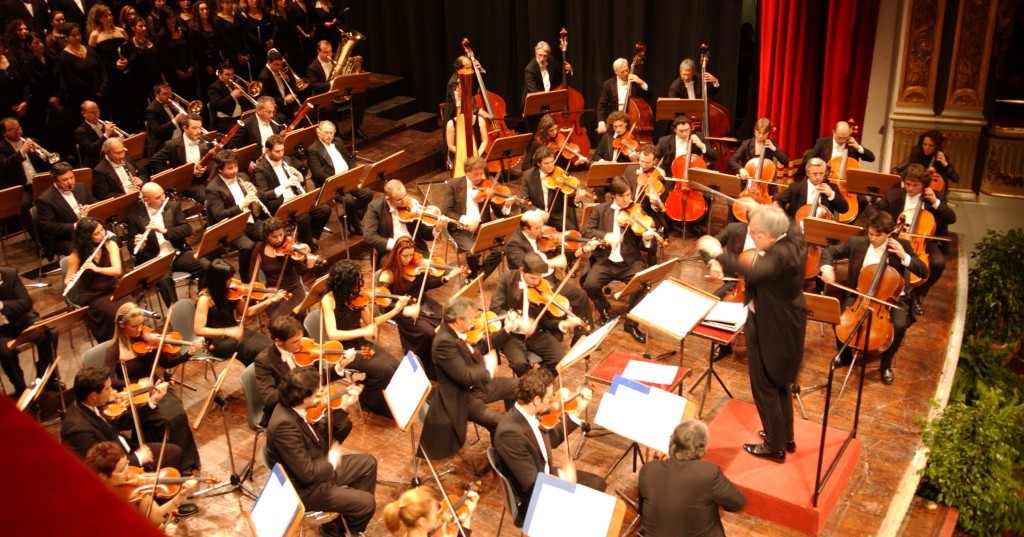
pixel 42 181
pixel 823 309
pixel 546 102
pixel 870 183
pixel 10 207
pixel 644 281
pixel 312 295
pixel 668 109
pixel 343 182
pixel 53 323
pixel 291 210
pixel 246 155
pixel 507 148
pixel 116 209
pixel 493 234
pixel 221 234
pixel 33 391
pixel 304 137
pixel 350 85
pixel 716 183
pixel 143 277
pixel 825 232
pixel 176 179
pixel 601 173
pixel 382 168
pixel 135 145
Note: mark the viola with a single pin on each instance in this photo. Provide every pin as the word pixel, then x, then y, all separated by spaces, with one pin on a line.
pixel 651 181
pixel 478 329
pixel 150 339
pixel 381 297
pixel 141 483
pixel 297 251
pixel 552 239
pixel 562 146
pixel 568 184
pixel 838 167
pixel 309 352
pixel 684 204
pixel 317 411
pixel 637 220
pixel 737 294
pixel 626 144
pixel 557 305
pixel 498 194
pixel 570 118
pixel 549 420
pixel 134 393
pixel 237 289
pixel 435 267
pixel 882 283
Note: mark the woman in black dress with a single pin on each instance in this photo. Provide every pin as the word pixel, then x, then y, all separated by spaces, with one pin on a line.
pixel 14 94
pixel 55 38
pixel 178 56
pixel 231 27
pixel 271 263
pixel 109 41
pixel 16 38
pixel 46 111
pixel 82 69
pixel 99 278
pixel 145 68
pixel 259 30
pixel 207 43
pixel 216 316
pixel 300 23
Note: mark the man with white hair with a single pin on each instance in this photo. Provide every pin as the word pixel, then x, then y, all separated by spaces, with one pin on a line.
pixel 116 173
pixel 613 92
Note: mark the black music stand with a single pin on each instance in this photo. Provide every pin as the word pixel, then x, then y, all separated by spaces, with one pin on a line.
pixel 245 155
pixel 143 277
pixel 301 137
pixel 669 108
pixel 291 210
pixel 870 183
pixel 382 168
pixel 493 234
pixel 546 102
pixel 823 309
pixel 717 184
pixel 645 280
pixel 322 100
pixel 343 182
pixel 507 148
pixel 221 234
pixel 10 207
pixel 53 323
pixel 601 173
pixel 177 180
pixel 350 85
pixel 32 393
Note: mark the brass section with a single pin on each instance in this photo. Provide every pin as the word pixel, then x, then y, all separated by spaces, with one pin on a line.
pixel 921 53
pixel 1004 168
pixel 971 53
pixel 960 147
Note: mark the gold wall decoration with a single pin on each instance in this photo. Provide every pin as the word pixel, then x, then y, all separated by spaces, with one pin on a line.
pixel 921 53
pixel 1004 163
pixel 960 148
pixel 971 54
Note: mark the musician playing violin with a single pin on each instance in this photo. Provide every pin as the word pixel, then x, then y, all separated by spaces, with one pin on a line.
pixel 273 364
pixel 536 189
pixel 621 260
pixel 614 90
pixel 382 227
pixel 467 215
pixel 170 414
pixel 275 266
pixel 402 275
pixel 673 146
pixel 525 450
pixel 416 513
pixel 216 315
pixel 548 135
pixel 903 200
pixel 620 124
pixel 325 479
pixel 816 184
pixel 522 331
pixel 865 251
pixel 107 459
pixel 685 87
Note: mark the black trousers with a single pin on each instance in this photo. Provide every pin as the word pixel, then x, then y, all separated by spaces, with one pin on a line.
pixel 349 493
pixel 498 389
pixel 901 320
pixel 515 346
pixel 11 365
pixel 601 274
pixel 379 369
pixel 184 262
pixel 464 240
pixel 772 398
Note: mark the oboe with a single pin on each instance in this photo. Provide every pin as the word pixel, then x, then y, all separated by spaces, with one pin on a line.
pixel 145 234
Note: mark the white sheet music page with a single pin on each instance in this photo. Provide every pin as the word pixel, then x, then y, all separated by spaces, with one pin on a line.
pixel 559 508
pixel 652 372
pixel 409 385
pixel 673 308
pixel 640 413
pixel 727 315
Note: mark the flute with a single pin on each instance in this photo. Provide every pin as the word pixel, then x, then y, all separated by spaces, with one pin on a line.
pixel 78 275
pixel 145 234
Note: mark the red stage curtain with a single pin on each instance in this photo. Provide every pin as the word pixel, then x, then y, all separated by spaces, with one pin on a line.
pixel 851 43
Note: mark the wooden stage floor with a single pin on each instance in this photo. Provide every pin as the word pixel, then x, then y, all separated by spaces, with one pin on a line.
pixel 887 427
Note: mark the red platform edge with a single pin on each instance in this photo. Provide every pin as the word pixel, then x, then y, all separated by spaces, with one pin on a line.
pixel 781 493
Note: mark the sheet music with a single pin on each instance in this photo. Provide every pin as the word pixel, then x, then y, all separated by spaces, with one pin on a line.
pixel 640 413
pixel 559 508
pixel 408 388
pixel 727 316
pixel 673 308
pixel 652 372
pixel 276 508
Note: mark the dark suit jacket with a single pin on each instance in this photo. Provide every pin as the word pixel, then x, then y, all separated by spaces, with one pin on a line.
pixel 89 145
pixel 38 21
pixel 532 189
pixel 534 79
pixel 856 249
pixel 795 197
pixel 609 101
pixel 677 90
pixel 105 182
pixel 667 146
pixel 320 164
pixel 895 199
pixel 270 88
pixel 82 429
pixel 71 11
pixel 178 230
pixel 458 370
pixel 318 82
pixel 508 296
pixel 55 217
pixel 745 152
pixel 11 171
pixel 303 454
pixel 681 498
pixel 17 304
pixel 172 154
pixel 266 181
pixel 823 150
pixel 250 133
pixel 602 221
pixel 220 204
pixel 454 203
pixel 378 228
pixel 516 247
pixel 605 150
pixel 521 456
pixel 220 100
pixel 159 126
pixel 271 372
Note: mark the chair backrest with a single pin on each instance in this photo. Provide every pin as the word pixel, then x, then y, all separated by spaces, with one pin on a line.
pixel 265 457
pixel 312 324
pixel 72 297
pixel 253 402
pixel 34 213
pixel 95 357
pixel 183 316
pixel 511 502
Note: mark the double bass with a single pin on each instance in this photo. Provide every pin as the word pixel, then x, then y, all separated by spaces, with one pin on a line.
pixel 638 109
pixel 495 106
pixel 717 119
pixel 570 117
pixel 684 204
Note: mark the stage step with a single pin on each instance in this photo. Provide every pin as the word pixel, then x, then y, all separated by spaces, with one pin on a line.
pixel 394 108
pixel 927 518
pixel 421 121
pixel 383 87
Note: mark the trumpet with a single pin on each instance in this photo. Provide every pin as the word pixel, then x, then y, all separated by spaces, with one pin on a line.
pixel 47 156
pixel 117 130
pixel 184 106
pixel 250 90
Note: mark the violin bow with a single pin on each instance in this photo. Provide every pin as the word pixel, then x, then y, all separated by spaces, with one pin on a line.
pixel 444 495
pixel 160 346
pixel 426 272
pixel 287 258
pixel 131 403
pixel 487 325
pixel 156 475
pixel 565 211
pixel 419 221
pixel 252 286
pixel 554 294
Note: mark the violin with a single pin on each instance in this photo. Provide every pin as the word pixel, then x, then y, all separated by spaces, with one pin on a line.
pixel 428 215
pixel 557 305
pixel 166 485
pixel 651 181
pixel 737 294
pixel 568 184
pixel 838 167
pixel 640 222
pixel 134 393
pixel 237 289
pixel 552 239
pixel 478 329
pixel 446 525
pixel 297 251
pixel 562 146
pixel 317 411
pixel 435 268
pixel 626 144
pixel 498 194
pixel 150 340
pixel 309 352
pixel 382 297
pixel 882 283
pixel 549 420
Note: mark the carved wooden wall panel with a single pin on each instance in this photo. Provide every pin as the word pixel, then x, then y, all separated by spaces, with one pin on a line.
pixel 921 53
pixel 971 54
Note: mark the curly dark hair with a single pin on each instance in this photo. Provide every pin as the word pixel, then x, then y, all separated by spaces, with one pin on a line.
pixel 83 237
pixel 344 282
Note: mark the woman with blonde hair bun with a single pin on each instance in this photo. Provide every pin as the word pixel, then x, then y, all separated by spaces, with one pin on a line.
pixel 415 513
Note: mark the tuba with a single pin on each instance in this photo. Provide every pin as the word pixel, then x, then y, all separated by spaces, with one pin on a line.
pixel 344 62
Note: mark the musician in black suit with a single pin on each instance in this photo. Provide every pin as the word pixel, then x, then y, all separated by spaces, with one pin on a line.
pixel 751 148
pixel 276 85
pixel 116 173
pixel 189 147
pixel 318 73
pixel 685 87
pixel 776 321
pixel 683 491
pixel 462 62
pixel 259 126
pixel 83 426
pixel 673 146
pixel 278 179
pixel 552 201
pixel 163 120
pixel 621 260
pixel 619 123
pixel 273 364
pixel 324 479
pixel 168 232
pixel 227 195
pixel 734 238
pixel 614 90
pixel 466 384
pixel 16 314
pixel 866 251
pixel 903 200
pixel 225 99
pixel 803 192
pixel 327 157
pixel 381 226
pixel 58 208
pixel 829 147
pixel 466 215
pixel 524 449
pixel 72 11
pixel 90 135
pixel 538 74
pixel 18 164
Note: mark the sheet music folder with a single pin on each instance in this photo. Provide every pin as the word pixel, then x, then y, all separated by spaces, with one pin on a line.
pixel 408 389
pixel 559 508
pixel 278 511
pixel 641 413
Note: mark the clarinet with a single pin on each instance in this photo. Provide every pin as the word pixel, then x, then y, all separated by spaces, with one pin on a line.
pixel 145 234
pixel 251 188
pixel 78 275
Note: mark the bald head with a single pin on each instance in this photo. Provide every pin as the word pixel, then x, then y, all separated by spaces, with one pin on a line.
pixel 153 195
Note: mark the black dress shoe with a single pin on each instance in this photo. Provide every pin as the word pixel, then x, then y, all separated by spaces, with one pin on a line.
pixel 635 332
pixel 187 509
pixel 888 377
pixel 761 451
pixel 604 317
pixel 918 310
pixel 721 352
pixel 790 446
pixel 360 134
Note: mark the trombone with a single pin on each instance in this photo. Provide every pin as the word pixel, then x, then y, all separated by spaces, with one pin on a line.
pixel 117 130
pixel 300 83
pixel 47 156
pixel 250 90
pixel 184 106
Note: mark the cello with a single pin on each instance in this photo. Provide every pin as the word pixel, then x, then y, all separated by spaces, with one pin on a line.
pixel 838 167
pixel 570 118
pixel 757 189
pixel 717 120
pixel 684 204
pixel 878 286
pixel 495 106
pixel 922 226
pixel 638 109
